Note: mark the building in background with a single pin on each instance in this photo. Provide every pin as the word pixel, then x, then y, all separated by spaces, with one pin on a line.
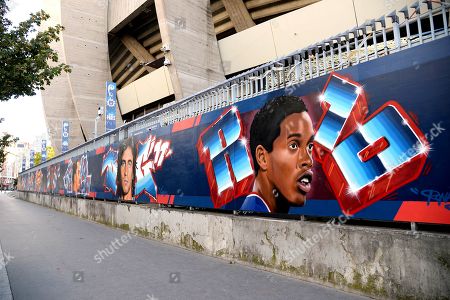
pixel 16 153
pixel 159 51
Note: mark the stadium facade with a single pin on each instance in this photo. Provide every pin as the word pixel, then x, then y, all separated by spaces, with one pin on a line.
pixel 163 51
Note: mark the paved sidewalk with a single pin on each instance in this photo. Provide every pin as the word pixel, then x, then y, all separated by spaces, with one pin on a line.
pixel 5 288
pixel 59 256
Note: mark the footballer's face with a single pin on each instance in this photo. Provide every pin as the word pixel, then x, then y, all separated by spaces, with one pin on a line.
pixel 290 161
pixel 126 173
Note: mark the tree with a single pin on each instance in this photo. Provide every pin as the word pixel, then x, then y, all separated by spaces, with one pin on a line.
pixel 24 60
pixel 5 141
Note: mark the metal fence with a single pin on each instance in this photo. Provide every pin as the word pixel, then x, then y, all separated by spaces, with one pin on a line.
pixel 422 22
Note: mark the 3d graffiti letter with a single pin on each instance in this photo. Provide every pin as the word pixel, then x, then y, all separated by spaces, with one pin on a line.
pixel 150 157
pixel 344 105
pixel 368 163
pixel 223 150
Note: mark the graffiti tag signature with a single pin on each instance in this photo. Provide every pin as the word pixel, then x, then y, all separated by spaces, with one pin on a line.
pixel 433 195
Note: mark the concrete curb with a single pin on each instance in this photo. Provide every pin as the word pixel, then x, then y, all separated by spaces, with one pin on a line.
pixel 5 288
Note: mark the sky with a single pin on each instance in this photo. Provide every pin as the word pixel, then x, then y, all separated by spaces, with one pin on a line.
pixel 24 116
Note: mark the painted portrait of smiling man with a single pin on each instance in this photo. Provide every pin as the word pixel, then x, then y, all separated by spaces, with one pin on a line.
pixel 126 172
pixel 281 142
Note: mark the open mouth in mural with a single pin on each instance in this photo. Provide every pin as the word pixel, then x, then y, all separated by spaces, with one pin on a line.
pixel 304 182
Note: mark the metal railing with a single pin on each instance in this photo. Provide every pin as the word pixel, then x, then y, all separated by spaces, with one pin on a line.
pixel 422 22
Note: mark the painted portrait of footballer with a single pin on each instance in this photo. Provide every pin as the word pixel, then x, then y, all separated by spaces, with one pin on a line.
pixel 281 144
pixel 126 170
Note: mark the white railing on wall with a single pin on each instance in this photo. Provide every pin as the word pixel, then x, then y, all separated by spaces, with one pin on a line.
pixel 422 22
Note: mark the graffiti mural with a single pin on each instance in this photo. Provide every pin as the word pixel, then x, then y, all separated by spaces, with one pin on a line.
pixel 109 170
pixel 368 146
pixel 68 177
pixel 223 149
pixel 363 157
pixel 85 177
pixel 151 154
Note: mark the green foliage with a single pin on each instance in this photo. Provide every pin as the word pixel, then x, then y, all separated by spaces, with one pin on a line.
pixel 24 60
pixel 5 141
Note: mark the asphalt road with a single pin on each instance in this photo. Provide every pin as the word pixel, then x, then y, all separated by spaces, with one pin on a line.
pixel 52 255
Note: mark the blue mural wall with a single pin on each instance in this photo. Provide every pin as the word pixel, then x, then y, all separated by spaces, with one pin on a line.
pixel 368 142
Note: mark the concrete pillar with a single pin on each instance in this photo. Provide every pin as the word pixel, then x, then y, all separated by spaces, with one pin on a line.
pixel 57 97
pixel 76 96
pixel 139 52
pixel 187 29
pixel 239 14
pixel 86 49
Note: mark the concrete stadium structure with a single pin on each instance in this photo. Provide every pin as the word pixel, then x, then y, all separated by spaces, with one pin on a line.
pixel 163 51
